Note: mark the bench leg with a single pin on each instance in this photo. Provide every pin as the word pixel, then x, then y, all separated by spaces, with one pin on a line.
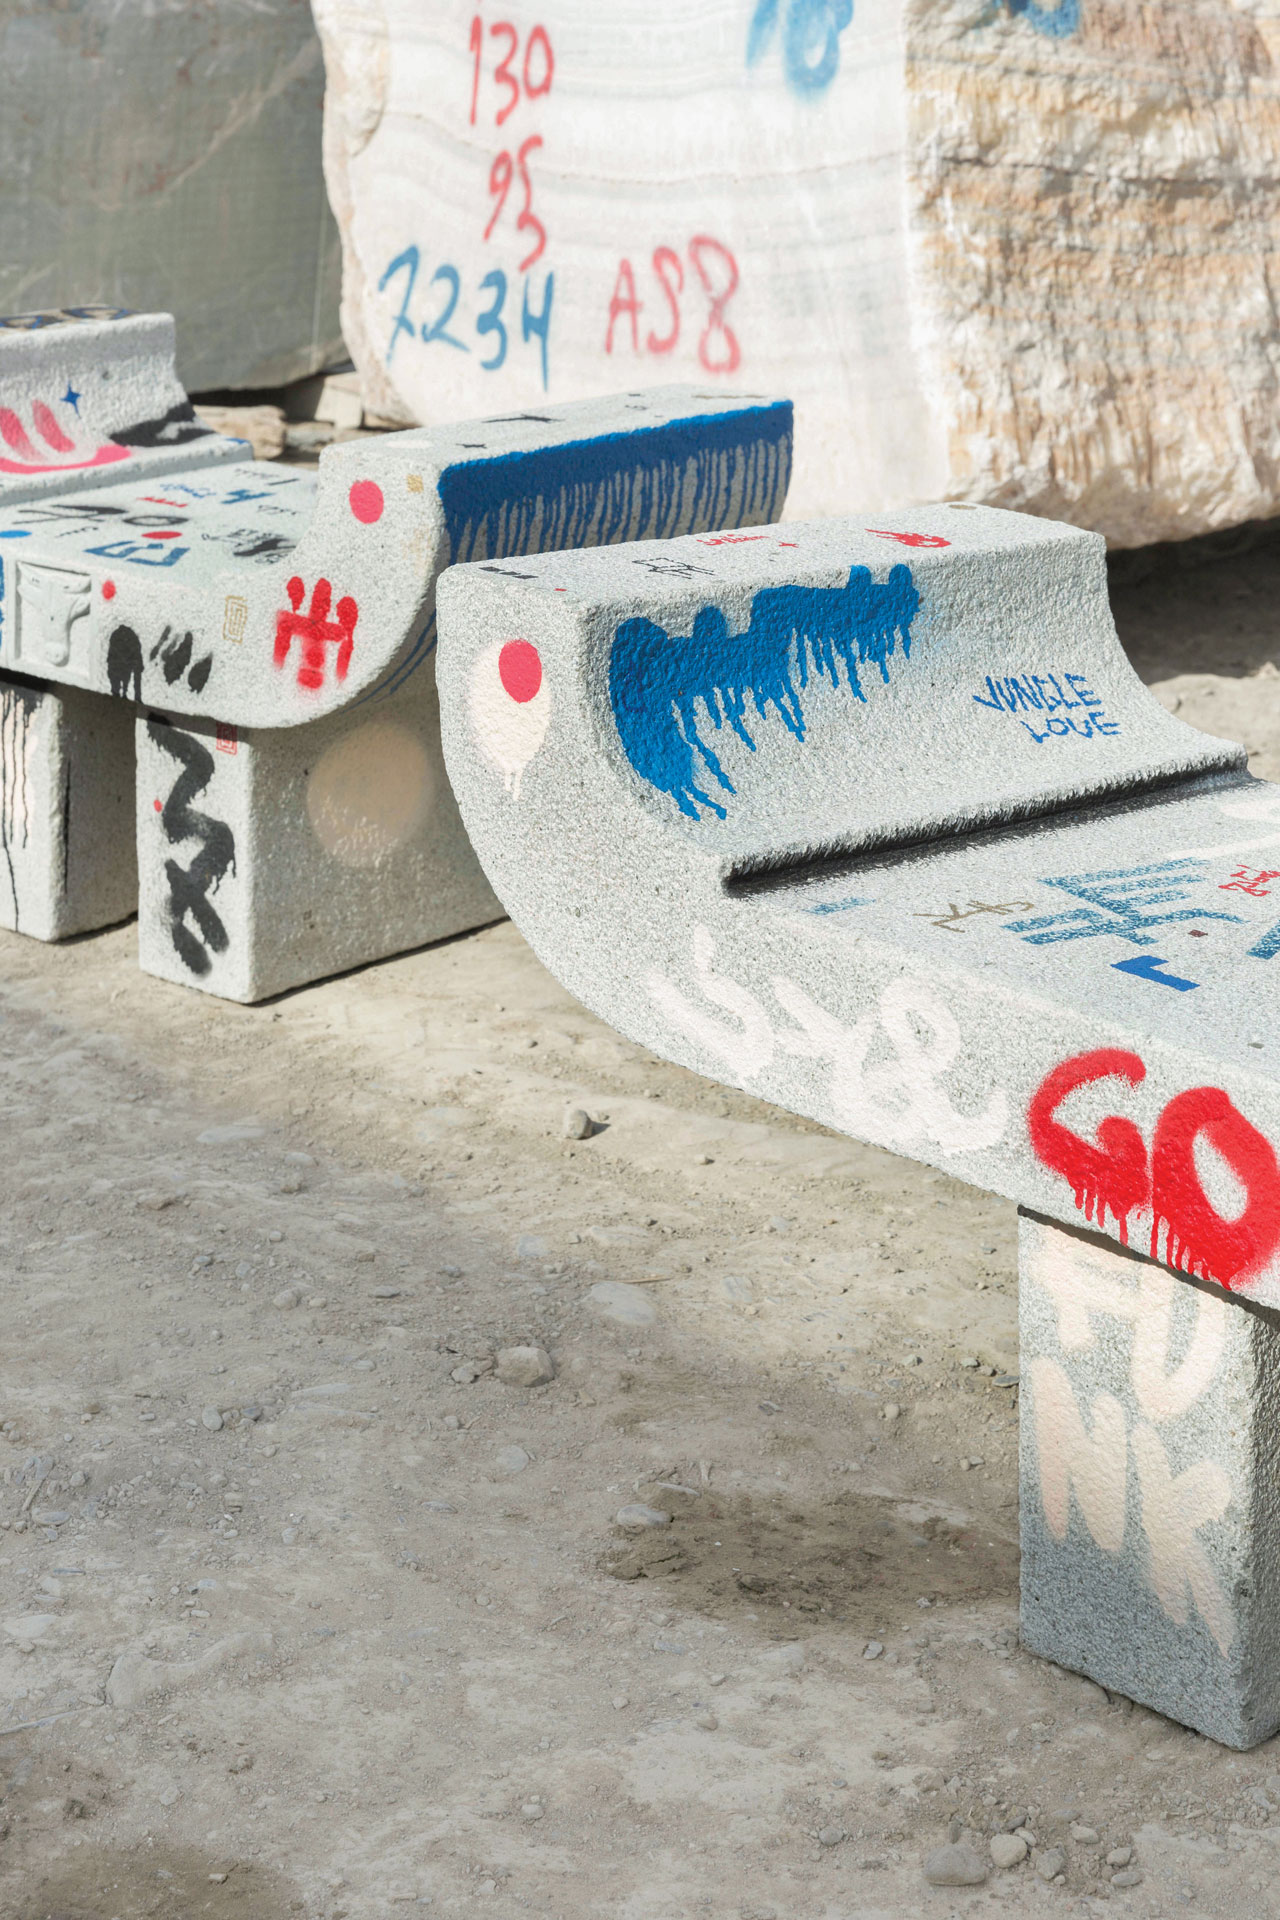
pixel 67 862
pixel 268 859
pixel 1150 1488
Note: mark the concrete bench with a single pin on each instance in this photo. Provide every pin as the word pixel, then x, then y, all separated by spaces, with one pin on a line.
pixel 871 818
pixel 267 631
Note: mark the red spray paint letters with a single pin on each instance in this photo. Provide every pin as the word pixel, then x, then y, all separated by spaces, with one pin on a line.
pixel 316 631
pixel 1116 1176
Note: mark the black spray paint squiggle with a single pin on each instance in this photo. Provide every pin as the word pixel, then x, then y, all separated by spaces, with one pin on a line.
pixel 189 887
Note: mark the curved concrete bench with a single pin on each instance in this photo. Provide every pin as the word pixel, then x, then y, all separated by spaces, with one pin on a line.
pixel 873 819
pixel 276 627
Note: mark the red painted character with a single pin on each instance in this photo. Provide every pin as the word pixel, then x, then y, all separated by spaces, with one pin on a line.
pixel 1252 881
pixel 316 631
pixel 1115 1176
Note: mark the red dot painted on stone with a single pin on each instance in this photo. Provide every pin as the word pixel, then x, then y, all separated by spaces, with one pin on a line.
pixel 108 589
pixel 520 670
pixel 175 535
pixel 366 501
pixel 157 806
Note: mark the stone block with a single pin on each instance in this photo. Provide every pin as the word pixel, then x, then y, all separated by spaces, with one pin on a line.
pixel 949 231
pixel 1150 1530
pixel 872 818
pixel 66 811
pixel 88 396
pixel 273 629
pixel 168 157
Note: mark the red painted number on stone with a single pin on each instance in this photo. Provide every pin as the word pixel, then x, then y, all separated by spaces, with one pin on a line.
pixel 715 272
pixel 537 69
pixel 1114 1175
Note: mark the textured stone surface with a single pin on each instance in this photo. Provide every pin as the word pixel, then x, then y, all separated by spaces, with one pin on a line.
pixel 169 157
pixel 1016 253
pixel 1150 1528
pixel 274 631
pixel 861 841
pixel 67 860
pixel 90 396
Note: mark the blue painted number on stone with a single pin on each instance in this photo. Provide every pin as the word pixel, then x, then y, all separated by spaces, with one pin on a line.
pixel 811 32
pixel 488 321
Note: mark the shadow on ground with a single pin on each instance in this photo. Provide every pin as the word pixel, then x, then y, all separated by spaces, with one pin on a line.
pixel 153 1883
pixel 850 1557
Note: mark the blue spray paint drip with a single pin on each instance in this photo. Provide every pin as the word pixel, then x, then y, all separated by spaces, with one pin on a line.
pixel 713 470
pixel 657 682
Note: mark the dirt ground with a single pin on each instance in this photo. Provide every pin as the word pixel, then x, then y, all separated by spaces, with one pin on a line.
pixel 304 1612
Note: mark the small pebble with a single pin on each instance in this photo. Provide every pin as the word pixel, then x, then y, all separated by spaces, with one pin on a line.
pixel 577 1124
pixel 1050 1862
pixel 386 1293
pixel 1086 1835
pixel 513 1459
pixel 956 1865
pixel 1120 1856
pixel 707 1721
pixel 532 1810
pixel 872 1650
pixel 212 1419
pixel 1008 1849
pixel 1127 1877
pixel 890 1411
pixel 620 1701
pixel 830 1836
pixel 636 1517
pixel 525 1367
pixel 287 1297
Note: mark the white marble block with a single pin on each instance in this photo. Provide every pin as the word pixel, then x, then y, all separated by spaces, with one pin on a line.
pixel 1010 251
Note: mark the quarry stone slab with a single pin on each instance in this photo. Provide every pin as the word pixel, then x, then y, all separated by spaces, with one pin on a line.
pixel 963 237
pixel 169 157
pixel 883 828
pixel 273 630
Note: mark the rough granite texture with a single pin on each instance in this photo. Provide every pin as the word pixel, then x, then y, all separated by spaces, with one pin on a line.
pixel 168 156
pixel 873 819
pixel 1150 1523
pixel 1018 253
pixel 274 630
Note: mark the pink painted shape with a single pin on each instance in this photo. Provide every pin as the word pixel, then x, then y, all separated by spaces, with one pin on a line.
pixel 104 457
pixel 49 430
pixel 366 502
pixel 520 670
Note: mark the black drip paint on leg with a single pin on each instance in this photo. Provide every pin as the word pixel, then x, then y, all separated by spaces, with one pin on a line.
pixel 189 887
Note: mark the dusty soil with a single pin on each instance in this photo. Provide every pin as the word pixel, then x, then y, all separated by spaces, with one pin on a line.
pixel 374 1645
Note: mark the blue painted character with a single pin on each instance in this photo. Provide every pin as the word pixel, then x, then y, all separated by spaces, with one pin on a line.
pixel 1115 904
pixel 810 39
